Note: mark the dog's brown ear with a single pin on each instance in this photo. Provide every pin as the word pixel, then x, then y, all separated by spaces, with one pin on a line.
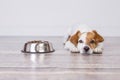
pixel 75 37
pixel 98 37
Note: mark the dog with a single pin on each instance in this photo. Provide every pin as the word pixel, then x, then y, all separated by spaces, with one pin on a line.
pixel 82 39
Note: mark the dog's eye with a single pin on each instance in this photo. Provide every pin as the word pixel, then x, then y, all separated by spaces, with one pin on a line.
pixel 92 41
pixel 80 41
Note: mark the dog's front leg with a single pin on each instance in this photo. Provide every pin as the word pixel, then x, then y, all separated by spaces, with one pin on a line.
pixel 71 47
pixel 99 48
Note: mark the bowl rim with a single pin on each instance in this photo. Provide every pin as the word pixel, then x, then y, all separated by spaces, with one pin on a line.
pixel 37 52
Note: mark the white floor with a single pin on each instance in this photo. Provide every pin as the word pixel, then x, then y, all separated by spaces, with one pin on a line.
pixel 59 65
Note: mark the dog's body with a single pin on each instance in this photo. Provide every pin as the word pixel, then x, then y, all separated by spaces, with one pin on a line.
pixel 83 39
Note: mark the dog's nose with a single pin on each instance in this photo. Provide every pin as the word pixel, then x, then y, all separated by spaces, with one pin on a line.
pixel 86 48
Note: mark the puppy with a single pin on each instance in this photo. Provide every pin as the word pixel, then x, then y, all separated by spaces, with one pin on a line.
pixel 84 40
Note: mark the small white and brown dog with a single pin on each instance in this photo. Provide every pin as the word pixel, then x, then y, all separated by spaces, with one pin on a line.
pixel 83 39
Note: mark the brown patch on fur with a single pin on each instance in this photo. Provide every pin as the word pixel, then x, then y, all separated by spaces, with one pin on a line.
pixel 98 37
pixel 89 38
pixel 93 36
pixel 75 37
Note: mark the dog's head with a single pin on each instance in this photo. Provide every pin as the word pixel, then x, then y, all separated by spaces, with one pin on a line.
pixel 86 42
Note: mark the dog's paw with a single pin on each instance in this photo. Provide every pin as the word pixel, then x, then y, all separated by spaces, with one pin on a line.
pixel 74 50
pixel 98 50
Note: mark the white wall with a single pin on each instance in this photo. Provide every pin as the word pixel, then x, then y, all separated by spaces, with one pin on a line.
pixel 53 17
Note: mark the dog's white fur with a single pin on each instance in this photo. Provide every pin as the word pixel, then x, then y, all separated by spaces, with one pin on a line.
pixel 80 46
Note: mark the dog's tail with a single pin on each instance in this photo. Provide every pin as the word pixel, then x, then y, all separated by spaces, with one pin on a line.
pixel 67 35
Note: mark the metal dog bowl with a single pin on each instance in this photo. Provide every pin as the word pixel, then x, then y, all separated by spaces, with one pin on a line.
pixel 38 47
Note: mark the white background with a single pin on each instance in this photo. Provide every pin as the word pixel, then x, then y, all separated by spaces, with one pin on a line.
pixel 53 17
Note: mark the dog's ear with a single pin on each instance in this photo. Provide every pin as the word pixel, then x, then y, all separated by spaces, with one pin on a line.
pixel 74 38
pixel 98 37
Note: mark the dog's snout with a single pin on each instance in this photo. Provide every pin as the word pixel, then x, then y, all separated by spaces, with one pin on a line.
pixel 86 48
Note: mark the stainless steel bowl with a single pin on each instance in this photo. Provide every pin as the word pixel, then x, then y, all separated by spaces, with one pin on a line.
pixel 38 47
